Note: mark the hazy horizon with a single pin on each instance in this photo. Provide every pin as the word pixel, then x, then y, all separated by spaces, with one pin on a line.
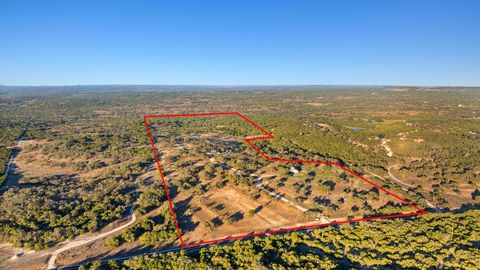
pixel 246 85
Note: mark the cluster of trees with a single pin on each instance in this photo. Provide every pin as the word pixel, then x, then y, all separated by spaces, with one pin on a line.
pixel 103 146
pixel 431 241
pixel 4 155
pixel 221 218
pixel 217 173
pixel 296 139
pixel 151 196
pixel 42 212
pixel 155 231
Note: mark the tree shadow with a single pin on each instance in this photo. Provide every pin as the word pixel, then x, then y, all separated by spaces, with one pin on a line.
pixel 184 216
pixel 236 216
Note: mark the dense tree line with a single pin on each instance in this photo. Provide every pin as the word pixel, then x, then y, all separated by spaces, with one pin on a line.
pixel 156 230
pixel 432 241
pixel 42 212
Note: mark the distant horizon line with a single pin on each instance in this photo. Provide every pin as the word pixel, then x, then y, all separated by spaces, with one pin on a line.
pixel 244 85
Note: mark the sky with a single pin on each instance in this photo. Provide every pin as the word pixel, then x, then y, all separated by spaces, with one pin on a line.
pixel 241 42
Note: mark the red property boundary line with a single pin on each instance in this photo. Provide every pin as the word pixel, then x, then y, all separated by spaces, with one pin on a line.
pixel 268 135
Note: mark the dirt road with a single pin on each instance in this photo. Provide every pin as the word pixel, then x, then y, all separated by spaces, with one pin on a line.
pixel 398 181
pixel 9 181
pixel 389 169
pixel 258 183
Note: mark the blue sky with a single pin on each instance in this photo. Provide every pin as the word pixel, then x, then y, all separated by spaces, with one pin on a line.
pixel 240 42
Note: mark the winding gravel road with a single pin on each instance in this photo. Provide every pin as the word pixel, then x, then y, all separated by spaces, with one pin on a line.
pixel 82 240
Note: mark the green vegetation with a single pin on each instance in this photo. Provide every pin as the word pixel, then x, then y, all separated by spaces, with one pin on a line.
pixel 151 231
pixel 43 212
pixel 433 241
pixel 90 161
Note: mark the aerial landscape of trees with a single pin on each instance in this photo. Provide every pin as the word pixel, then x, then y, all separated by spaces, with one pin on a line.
pixel 444 240
pixel 91 163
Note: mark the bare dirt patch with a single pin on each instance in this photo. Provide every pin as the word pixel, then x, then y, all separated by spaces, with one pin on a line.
pixel 224 203
pixel 35 164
